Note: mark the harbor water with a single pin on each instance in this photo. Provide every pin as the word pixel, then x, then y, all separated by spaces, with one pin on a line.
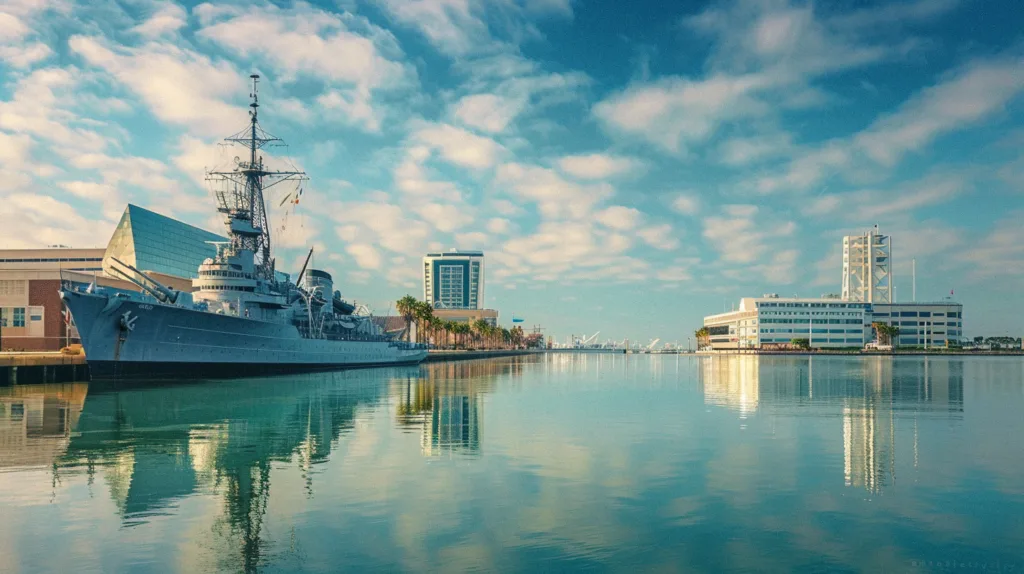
pixel 558 462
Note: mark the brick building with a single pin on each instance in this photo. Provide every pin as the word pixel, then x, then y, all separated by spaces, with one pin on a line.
pixel 31 312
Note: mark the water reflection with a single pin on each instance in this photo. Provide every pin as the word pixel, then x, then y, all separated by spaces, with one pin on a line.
pixel 36 422
pixel 445 402
pixel 562 463
pixel 870 392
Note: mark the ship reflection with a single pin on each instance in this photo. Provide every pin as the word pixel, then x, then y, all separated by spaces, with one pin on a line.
pixel 871 394
pixel 154 446
pixel 445 402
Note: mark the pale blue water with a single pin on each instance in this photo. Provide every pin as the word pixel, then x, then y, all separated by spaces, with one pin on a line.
pixel 566 462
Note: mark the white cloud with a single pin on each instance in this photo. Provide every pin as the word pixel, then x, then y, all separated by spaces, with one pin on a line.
pixel 764 54
pixel 503 87
pixel 970 95
pixel 506 207
pixel 309 41
pixel 487 112
pixel 567 251
pixel 195 157
pixel 619 217
pixel 450 25
pixel 412 177
pixel 673 274
pixel 739 238
pixel 445 217
pixel 686 203
pixel 180 86
pixel 354 57
pixel 554 196
pixel 355 107
pixel 472 239
pixel 659 237
pixel 465 27
pixel 459 146
pixel 25 56
pixel 499 226
pixel 39 106
pixel 676 112
pixel 34 220
pixel 966 97
pixel 744 151
pixel 12 28
pixel 999 254
pixel 167 20
pixel 597 165
pixel 365 255
pixel 382 224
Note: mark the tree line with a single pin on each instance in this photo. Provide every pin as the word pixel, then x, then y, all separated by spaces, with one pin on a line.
pixel 448 334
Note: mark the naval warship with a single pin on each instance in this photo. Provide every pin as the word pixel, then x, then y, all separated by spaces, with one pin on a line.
pixel 242 317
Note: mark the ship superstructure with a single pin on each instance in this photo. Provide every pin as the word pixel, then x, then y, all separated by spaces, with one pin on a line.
pixel 243 316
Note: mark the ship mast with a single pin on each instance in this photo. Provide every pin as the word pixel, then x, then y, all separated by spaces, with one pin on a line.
pixel 240 191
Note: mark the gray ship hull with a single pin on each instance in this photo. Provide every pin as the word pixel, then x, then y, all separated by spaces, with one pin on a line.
pixel 124 338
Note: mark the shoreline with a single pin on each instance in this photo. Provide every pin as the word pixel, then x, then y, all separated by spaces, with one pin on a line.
pixel 1013 353
pixel 440 356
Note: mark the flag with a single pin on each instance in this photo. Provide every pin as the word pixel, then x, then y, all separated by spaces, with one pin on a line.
pixel 516 319
pixel 67 315
pixel 950 292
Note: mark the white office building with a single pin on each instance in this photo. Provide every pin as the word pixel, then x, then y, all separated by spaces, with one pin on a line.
pixel 773 322
pixel 454 279
pixel 770 321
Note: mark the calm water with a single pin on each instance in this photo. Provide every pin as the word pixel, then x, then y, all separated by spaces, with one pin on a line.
pixel 566 462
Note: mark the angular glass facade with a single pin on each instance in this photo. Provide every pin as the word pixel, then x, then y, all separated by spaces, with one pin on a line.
pixel 152 242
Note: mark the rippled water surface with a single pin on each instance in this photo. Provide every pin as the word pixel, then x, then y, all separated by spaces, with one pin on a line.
pixel 561 462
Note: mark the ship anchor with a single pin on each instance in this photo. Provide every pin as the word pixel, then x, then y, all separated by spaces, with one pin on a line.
pixel 127 321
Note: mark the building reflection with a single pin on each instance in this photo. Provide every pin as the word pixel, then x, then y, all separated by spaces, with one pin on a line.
pixel 731 381
pixel 870 392
pixel 445 402
pixel 36 422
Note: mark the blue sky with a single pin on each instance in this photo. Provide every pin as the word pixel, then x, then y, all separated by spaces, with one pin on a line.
pixel 627 167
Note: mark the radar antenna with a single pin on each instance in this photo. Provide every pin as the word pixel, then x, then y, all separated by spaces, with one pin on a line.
pixel 240 192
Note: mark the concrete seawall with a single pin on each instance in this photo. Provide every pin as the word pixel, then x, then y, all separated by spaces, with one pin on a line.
pixel 35 368
pixel 436 356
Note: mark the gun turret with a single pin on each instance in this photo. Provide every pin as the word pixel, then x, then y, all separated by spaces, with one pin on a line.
pixel 153 287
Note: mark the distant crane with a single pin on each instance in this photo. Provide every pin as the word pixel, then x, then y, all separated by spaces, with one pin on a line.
pixel 653 343
pixel 589 339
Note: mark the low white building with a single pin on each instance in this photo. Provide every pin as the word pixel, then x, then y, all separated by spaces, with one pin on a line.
pixel 923 324
pixel 772 321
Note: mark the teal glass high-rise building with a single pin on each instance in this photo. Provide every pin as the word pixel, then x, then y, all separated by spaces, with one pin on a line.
pixel 454 279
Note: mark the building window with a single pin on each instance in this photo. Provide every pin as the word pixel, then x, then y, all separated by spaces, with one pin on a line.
pixel 19 317
pixel 451 286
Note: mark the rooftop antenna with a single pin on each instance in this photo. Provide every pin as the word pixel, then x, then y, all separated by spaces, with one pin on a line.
pixel 913 279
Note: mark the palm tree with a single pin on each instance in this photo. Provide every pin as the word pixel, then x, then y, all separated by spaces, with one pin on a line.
pixel 448 327
pixel 703 337
pixel 406 307
pixel 464 330
pixel 424 315
pixel 886 333
pixel 480 327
